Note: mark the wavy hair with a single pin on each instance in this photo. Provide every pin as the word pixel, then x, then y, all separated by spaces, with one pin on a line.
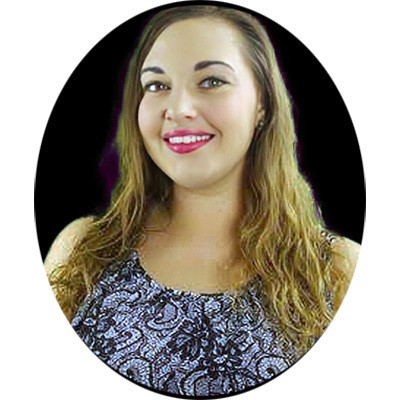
pixel 281 232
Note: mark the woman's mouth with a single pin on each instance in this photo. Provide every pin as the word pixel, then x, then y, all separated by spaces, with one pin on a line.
pixel 186 141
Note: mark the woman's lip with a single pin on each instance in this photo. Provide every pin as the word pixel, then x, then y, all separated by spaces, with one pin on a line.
pixel 183 148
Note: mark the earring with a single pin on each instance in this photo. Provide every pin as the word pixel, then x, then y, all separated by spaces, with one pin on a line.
pixel 260 124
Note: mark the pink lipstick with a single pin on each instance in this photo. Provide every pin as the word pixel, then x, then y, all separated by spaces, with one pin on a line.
pixel 186 140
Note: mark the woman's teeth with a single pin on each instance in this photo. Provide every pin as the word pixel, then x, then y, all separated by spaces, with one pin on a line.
pixel 188 139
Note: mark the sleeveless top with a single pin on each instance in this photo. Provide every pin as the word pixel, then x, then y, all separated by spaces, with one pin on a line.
pixel 181 342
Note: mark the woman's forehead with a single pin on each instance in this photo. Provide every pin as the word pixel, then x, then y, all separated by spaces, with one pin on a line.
pixel 195 40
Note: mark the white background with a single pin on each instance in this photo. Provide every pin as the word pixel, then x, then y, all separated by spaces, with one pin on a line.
pixel 41 44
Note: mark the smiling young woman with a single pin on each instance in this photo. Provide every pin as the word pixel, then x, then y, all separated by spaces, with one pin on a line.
pixel 211 272
pixel 208 90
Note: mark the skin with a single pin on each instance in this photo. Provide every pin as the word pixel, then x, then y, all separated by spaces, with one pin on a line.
pixel 207 204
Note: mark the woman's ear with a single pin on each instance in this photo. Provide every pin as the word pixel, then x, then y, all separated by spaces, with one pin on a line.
pixel 260 114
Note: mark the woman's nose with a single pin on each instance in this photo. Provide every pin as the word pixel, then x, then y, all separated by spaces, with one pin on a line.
pixel 180 106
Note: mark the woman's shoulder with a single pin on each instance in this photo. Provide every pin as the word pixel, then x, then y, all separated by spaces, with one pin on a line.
pixel 64 243
pixel 345 255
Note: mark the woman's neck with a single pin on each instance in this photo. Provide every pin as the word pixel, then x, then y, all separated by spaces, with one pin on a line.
pixel 205 215
pixel 196 243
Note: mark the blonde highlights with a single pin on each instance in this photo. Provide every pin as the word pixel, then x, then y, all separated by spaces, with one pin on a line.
pixel 281 234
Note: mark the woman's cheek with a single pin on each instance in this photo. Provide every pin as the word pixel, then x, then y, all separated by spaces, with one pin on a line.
pixel 218 114
pixel 146 117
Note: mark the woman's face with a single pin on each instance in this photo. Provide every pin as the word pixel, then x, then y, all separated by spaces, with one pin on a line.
pixel 200 105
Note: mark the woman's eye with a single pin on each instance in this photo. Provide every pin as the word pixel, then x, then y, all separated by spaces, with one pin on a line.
pixel 155 87
pixel 212 82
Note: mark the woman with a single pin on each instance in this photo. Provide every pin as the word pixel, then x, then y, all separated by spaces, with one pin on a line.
pixel 211 272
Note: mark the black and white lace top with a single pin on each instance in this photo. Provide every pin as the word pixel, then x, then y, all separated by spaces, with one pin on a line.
pixel 180 342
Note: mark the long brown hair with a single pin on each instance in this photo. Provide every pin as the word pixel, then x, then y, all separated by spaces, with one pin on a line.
pixel 280 234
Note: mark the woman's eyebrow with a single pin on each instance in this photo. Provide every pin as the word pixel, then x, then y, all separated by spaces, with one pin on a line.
pixel 204 64
pixel 198 66
pixel 156 70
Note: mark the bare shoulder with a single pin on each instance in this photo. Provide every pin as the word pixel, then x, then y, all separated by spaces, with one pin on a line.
pixel 346 253
pixel 65 242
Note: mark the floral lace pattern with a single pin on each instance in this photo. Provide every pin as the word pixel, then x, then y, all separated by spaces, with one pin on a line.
pixel 180 342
